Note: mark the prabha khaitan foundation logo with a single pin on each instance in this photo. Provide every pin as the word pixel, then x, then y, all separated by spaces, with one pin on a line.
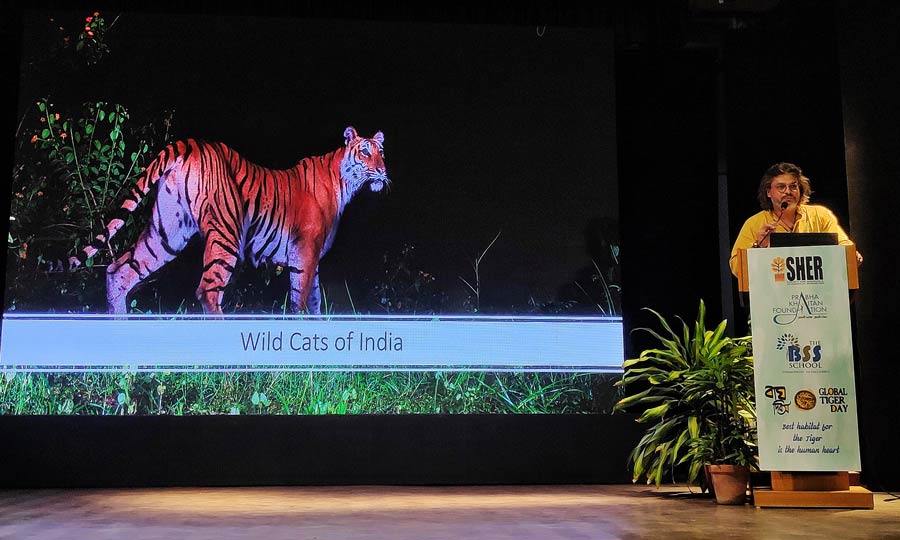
pixel 800 306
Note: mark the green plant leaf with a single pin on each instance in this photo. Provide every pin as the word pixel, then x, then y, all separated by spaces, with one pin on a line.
pixel 632 399
pixel 654 412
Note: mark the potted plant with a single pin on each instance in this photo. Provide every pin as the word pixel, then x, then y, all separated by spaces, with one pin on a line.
pixel 695 392
pixel 727 442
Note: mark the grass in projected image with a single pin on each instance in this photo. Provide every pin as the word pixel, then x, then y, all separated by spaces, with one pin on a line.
pixel 187 393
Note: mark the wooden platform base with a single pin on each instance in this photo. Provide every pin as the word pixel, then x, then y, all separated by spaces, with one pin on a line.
pixel 854 497
pixel 811 481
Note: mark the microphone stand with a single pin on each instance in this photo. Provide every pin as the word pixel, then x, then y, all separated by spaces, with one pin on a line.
pixel 784 206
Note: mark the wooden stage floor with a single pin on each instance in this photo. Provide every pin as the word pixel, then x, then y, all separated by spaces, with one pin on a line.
pixel 595 512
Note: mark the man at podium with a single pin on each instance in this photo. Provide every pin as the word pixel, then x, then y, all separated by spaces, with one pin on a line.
pixel 798 303
pixel 784 196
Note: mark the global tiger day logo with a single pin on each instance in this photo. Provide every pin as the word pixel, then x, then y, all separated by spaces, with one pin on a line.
pixel 806 356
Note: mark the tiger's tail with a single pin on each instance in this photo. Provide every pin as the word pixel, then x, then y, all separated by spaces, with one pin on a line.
pixel 167 159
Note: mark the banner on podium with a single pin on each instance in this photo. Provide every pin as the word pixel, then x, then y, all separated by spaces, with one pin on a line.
pixel 803 358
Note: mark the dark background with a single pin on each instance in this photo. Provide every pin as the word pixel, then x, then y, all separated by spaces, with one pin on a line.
pixel 708 94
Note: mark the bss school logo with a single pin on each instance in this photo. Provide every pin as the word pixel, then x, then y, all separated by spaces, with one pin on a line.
pixel 809 355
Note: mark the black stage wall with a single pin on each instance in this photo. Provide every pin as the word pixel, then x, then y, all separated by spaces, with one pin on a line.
pixel 870 88
pixel 666 110
pixel 315 450
pixel 799 81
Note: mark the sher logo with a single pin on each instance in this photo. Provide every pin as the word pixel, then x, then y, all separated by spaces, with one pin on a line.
pixel 807 268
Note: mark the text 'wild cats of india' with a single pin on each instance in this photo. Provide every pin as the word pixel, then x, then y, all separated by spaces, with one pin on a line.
pixel 277 341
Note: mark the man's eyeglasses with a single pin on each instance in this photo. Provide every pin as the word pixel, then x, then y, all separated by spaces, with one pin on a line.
pixel 784 188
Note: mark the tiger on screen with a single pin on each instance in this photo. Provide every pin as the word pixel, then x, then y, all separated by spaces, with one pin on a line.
pixel 242 211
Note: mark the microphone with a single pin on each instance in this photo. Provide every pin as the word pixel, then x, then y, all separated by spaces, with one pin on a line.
pixel 784 206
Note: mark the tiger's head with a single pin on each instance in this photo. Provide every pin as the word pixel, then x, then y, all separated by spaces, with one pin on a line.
pixel 363 161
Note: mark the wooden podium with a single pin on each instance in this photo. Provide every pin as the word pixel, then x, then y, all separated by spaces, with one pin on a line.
pixel 825 489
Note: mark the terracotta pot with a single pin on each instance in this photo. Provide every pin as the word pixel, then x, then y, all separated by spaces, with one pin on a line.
pixel 730 483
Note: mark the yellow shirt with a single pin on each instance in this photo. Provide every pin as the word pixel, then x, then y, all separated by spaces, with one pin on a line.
pixel 810 218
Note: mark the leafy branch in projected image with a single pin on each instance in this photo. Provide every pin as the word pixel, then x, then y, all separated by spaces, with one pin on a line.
pixel 74 162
